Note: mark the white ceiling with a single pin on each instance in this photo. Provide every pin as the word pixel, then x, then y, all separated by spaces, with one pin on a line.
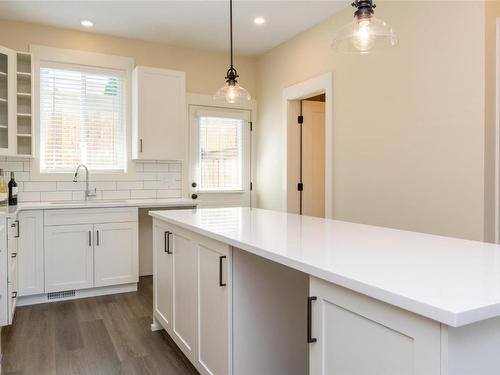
pixel 202 24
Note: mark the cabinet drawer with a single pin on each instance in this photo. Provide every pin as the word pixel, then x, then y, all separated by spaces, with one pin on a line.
pixel 90 215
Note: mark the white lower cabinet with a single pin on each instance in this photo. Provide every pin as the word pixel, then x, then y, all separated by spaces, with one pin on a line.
pixel 163 279
pixel 192 287
pixel 213 308
pixel 9 233
pixel 115 253
pixel 12 276
pixel 184 304
pixel 30 255
pixel 352 334
pixel 75 249
pixel 69 257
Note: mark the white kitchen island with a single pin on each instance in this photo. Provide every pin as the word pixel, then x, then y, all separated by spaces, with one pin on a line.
pixel 248 291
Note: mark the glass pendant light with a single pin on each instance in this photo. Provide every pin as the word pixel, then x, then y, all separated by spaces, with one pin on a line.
pixel 365 33
pixel 232 92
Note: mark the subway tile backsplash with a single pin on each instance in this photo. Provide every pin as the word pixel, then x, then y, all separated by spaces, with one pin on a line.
pixel 152 180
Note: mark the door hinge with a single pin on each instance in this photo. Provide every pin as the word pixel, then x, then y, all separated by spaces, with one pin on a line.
pixel 251 125
pixel 300 186
pixel 300 119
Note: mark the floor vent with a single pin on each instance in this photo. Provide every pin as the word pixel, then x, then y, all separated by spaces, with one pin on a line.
pixel 60 295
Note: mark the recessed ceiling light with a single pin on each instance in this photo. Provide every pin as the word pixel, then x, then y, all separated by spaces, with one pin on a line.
pixel 259 20
pixel 87 23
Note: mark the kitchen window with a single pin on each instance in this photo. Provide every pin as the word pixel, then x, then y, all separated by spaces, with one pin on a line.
pixel 82 118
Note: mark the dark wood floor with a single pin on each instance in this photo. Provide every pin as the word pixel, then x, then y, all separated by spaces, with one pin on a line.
pixel 101 335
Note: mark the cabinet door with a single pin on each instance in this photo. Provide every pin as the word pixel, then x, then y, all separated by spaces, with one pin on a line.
pixel 7 101
pixel 115 254
pixel 13 291
pixel 214 285
pixel 185 276
pixel 30 254
pixel 163 273
pixel 357 335
pixel 159 124
pixel 69 257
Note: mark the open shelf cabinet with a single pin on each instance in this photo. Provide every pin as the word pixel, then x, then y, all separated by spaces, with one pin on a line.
pixel 24 111
pixel 16 103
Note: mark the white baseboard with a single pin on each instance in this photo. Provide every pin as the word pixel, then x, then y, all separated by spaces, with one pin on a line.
pixel 83 293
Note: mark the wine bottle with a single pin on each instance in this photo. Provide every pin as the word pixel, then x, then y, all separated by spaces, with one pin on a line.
pixel 12 190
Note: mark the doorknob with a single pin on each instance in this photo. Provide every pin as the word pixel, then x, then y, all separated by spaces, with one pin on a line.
pixel 194 196
pixel 194 184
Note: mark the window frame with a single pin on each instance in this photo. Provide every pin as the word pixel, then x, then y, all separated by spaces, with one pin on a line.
pixel 90 70
pixel 92 62
pixel 241 114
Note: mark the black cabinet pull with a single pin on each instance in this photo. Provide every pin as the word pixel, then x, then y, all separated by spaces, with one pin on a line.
pixel 140 145
pixel 14 294
pixel 220 270
pixel 166 246
pixel 13 255
pixel 98 241
pixel 309 320
pixel 90 238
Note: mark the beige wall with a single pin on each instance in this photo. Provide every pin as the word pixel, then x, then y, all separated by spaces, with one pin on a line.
pixel 492 12
pixel 408 125
pixel 205 71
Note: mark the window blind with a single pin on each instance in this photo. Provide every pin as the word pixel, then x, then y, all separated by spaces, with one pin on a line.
pixel 221 153
pixel 81 120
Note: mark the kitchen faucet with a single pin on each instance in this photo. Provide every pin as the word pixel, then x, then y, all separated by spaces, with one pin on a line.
pixel 88 193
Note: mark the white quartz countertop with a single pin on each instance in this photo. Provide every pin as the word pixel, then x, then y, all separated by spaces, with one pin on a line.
pixel 141 203
pixel 453 281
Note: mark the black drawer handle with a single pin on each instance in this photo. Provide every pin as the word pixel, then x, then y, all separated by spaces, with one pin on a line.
pixel 220 270
pixel 98 239
pixel 166 245
pixel 14 294
pixel 310 339
pixel 13 255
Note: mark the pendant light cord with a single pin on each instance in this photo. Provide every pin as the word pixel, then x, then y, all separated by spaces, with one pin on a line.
pixel 231 29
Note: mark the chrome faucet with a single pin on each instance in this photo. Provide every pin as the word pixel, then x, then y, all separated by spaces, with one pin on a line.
pixel 88 193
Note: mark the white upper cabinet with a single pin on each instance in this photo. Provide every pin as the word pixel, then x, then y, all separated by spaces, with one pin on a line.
pixel 159 128
pixel 7 104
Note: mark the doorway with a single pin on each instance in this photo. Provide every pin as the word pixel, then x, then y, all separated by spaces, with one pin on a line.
pixel 220 156
pixel 307 157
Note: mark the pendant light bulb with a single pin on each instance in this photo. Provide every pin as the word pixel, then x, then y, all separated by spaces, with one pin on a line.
pixel 365 33
pixel 232 92
pixel 363 40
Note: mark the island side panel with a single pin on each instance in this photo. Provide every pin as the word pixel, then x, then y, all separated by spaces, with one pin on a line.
pixel 474 348
pixel 269 317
